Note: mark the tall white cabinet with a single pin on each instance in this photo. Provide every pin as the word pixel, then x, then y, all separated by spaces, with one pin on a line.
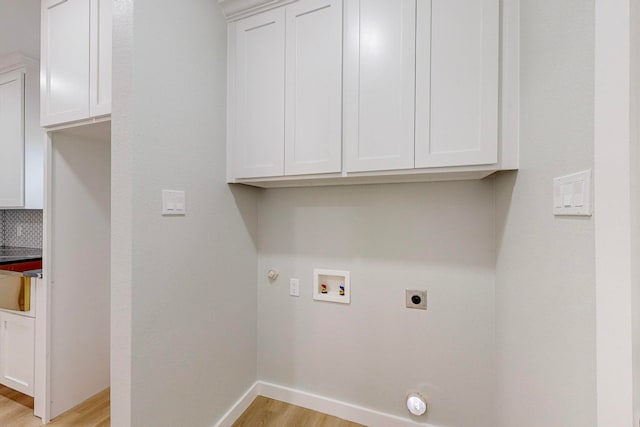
pixel 380 84
pixel 259 100
pixel 21 138
pixel 12 139
pixel 457 83
pixel 285 97
pixel 313 87
pixel 76 60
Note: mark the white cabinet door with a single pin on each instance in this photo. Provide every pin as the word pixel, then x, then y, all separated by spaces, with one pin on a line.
pixel 100 66
pixel 17 345
pixel 457 82
pixel 313 118
pixel 12 140
pixel 379 84
pixel 65 61
pixel 258 142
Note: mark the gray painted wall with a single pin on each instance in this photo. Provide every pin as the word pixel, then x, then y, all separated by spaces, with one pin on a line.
pixel 434 236
pixel 78 268
pixel 20 27
pixel 522 286
pixel 545 289
pixel 188 282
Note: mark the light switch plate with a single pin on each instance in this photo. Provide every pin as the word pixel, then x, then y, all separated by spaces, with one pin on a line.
pixel 173 202
pixel 294 287
pixel 572 194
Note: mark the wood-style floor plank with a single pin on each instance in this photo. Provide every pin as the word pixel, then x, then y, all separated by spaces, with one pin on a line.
pixel 16 410
pixel 266 412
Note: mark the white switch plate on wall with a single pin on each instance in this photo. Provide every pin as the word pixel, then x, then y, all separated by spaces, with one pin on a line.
pixel 294 287
pixel 173 202
pixel 572 194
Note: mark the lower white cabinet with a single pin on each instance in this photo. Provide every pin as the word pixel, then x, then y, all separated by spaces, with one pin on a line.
pixel 17 346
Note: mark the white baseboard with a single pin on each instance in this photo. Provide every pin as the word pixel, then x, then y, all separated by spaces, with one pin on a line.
pixel 326 405
pixel 239 407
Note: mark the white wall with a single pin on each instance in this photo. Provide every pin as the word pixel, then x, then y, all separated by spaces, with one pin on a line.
pixel 545 289
pixel 615 123
pixel 184 287
pixel 635 200
pixel 78 266
pixel 436 236
pixel 20 27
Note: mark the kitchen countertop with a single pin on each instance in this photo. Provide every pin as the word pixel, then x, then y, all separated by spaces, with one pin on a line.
pixel 33 273
pixel 14 254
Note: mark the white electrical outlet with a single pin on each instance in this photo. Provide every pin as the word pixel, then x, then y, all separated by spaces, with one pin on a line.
pixel 18 230
pixel 416 299
pixel 294 287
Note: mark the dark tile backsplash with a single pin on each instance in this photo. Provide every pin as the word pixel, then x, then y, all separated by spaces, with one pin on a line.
pixel 21 228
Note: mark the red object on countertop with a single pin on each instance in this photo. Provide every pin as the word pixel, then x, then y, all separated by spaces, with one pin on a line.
pixel 22 266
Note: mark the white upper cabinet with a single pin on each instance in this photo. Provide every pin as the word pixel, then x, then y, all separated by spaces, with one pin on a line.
pixel 12 139
pixel 457 56
pixel 379 84
pixel 76 60
pixel 259 98
pixel 313 87
pixel 368 91
pixel 286 91
pixel 21 137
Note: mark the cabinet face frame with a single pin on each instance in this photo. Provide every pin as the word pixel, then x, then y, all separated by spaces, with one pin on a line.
pixel 258 120
pixel 480 141
pixel 12 133
pixel 100 58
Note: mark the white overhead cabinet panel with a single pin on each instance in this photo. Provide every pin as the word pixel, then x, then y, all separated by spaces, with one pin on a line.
pixel 259 75
pixel 313 105
pixel 76 60
pixel 12 122
pixel 457 57
pixel 379 84
pixel 287 118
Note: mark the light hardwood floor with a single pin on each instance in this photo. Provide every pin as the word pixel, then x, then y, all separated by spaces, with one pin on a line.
pixel 265 412
pixel 16 410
